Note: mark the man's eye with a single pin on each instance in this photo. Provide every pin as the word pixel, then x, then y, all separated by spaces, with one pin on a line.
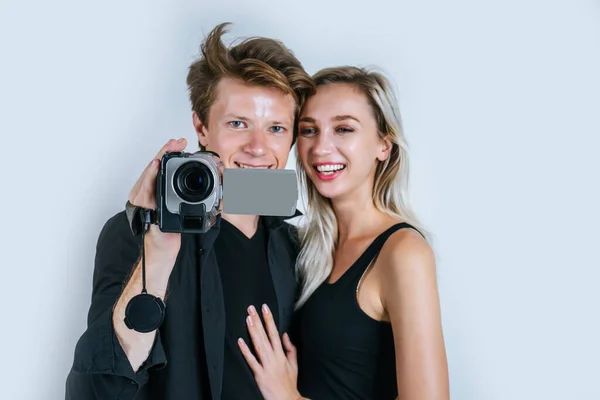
pixel 236 124
pixel 277 129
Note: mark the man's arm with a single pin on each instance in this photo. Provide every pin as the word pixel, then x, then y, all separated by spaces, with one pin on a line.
pixel 111 361
pixel 137 345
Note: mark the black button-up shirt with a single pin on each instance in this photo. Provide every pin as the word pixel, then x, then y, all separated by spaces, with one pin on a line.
pixel 186 360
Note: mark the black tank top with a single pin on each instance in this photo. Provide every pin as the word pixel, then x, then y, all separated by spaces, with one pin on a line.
pixel 344 353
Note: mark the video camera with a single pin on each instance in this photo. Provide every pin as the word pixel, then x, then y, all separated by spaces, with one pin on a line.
pixel 191 190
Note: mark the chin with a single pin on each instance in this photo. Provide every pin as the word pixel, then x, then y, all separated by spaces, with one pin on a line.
pixel 329 191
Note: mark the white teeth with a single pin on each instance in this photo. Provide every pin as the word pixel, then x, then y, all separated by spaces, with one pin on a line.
pixel 249 166
pixel 330 167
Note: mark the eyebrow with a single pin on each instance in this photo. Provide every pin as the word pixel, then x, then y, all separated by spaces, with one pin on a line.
pixel 229 116
pixel 240 118
pixel 344 117
pixel 336 118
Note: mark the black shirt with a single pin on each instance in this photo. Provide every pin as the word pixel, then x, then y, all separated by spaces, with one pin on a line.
pixel 246 281
pixel 187 359
pixel 346 354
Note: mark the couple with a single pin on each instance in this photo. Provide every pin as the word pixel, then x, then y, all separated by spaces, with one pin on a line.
pixel 344 308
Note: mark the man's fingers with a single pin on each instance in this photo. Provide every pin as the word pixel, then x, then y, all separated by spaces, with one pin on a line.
pixel 143 192
pixel 219 162
pixel 172 145
pixel 148 189
pixel 272 329
pixel 163 149
pixel 179 145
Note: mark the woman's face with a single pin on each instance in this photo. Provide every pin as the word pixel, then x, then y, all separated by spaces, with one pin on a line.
pixel 338 141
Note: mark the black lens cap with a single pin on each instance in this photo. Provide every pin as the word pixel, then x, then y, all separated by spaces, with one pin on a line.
pixel 144 313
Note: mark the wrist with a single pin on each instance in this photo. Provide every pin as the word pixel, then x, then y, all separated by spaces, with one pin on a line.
pixel 158 272
pixel 160 248
pixel 296 396
pixel 158 266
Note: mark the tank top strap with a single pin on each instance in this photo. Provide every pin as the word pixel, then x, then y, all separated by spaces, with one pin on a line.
pixel 356 271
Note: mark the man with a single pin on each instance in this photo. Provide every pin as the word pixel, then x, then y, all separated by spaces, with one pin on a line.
pixel 245 100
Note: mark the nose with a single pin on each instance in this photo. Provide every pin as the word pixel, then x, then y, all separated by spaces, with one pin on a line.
pixel 256 145
pixel 322 145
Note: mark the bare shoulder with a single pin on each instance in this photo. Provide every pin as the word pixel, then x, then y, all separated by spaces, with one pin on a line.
pixel 406 265
pixel 406 249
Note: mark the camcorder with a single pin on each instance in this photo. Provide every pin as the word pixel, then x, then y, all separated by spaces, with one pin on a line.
pixel 190 192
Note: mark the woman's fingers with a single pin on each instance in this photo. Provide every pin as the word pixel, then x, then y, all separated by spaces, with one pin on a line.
pixel 272 330
pixel 290 350
pixel 250 359
pixel 263 348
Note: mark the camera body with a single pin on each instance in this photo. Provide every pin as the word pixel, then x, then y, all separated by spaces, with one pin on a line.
pixel 188 192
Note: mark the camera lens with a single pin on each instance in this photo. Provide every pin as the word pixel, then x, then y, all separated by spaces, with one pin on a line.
pixel 193 182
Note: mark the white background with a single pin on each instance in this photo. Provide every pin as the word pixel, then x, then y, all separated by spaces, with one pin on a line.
pixel 501 105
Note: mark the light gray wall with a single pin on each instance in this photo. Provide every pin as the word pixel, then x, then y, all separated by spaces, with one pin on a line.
pixel 501 107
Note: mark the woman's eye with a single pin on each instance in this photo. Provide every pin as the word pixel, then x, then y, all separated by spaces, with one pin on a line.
pixel 307 131
pixel 344 130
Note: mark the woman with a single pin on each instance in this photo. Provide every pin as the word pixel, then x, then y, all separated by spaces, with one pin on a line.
pixel 368 313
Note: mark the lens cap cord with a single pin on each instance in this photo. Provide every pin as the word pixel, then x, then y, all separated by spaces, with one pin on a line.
pixel 144 312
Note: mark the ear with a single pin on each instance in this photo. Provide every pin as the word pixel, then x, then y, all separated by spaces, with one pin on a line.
pixel 201 130
pixel 385 149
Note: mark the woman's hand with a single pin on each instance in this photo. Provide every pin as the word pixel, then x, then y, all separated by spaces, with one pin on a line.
pixel 275 372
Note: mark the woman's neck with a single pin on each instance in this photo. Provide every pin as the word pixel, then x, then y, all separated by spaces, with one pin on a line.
pixel 356 216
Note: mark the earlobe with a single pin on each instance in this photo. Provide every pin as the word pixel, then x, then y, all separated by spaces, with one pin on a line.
pixel 200 129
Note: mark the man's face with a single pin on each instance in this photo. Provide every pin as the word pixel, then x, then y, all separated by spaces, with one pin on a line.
pixel 249 126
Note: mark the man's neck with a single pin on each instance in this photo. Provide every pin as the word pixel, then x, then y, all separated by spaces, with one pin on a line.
pixel 247 224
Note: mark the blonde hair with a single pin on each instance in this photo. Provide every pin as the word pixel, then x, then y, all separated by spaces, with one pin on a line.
pixel 390 191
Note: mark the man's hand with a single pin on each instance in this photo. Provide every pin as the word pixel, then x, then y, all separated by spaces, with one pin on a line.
pixel 161 251
pixel 143 194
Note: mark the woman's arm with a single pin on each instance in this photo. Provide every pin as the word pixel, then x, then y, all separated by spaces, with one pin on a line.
pixel 410 297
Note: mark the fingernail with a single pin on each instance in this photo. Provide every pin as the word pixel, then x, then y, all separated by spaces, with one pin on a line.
pixel 241 341
pixel 169 142
pixel 252 310
pixel 265 308
pixel 249 320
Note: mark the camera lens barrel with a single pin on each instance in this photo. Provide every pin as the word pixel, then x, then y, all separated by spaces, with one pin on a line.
pixel 193 181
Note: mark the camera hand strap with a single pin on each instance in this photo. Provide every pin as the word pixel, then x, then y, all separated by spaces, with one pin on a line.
pixel 139 218
pixel 144 312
